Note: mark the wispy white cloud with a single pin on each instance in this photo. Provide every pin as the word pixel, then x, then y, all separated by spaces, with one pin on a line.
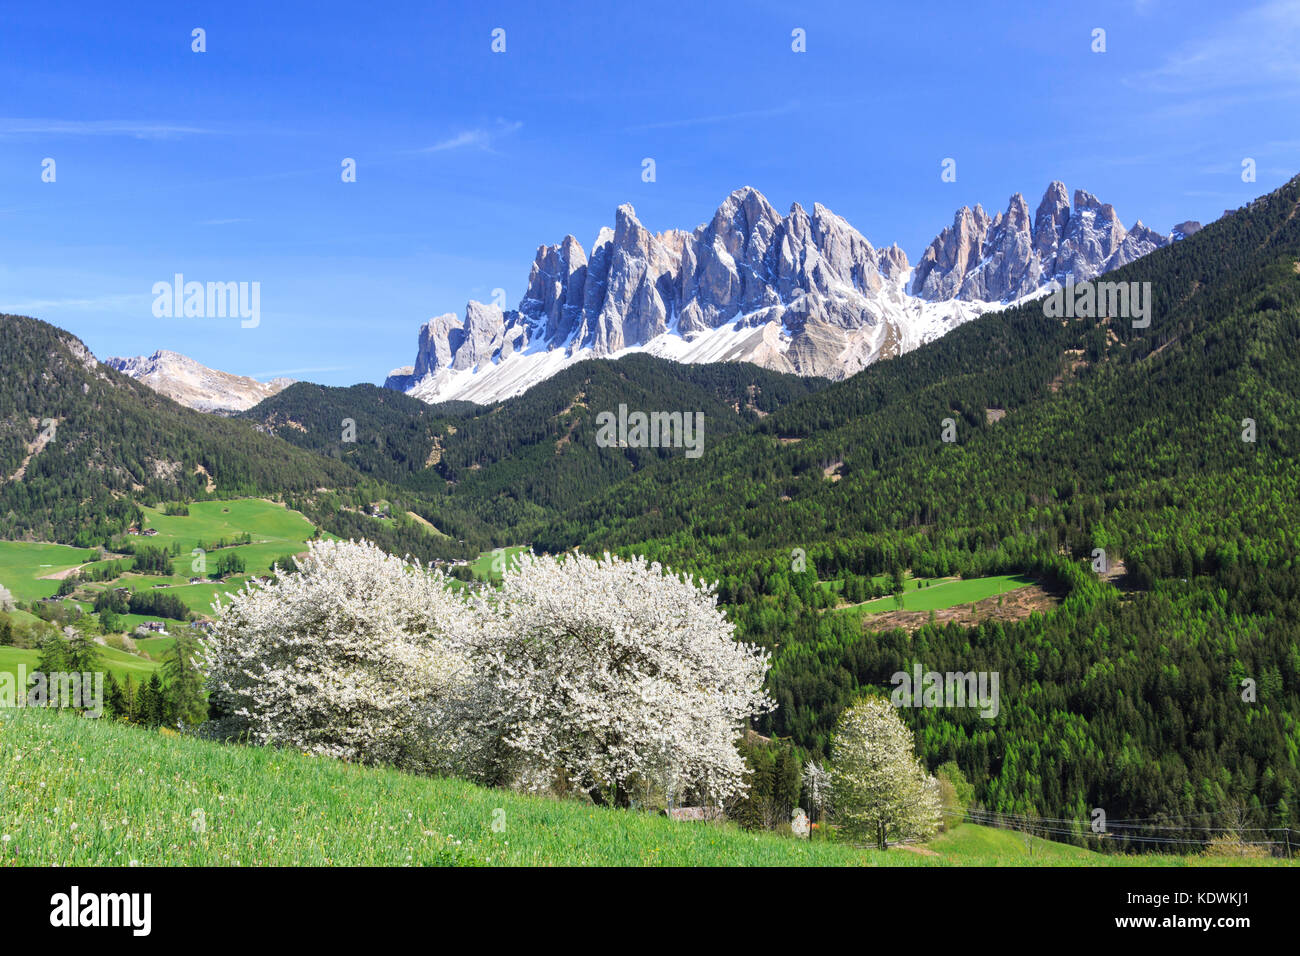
pixel 716 118
pixel 288 372
pixel 105 303
pixel 1253 49
pixel 480 137
pixel 12 126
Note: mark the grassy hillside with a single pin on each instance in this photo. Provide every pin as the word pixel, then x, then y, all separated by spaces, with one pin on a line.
pixel 26 567
pixel 83 792
pixel 944 594
pixel 119 663
pixel 117 442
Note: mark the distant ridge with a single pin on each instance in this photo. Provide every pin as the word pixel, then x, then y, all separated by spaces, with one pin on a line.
pixel 195 385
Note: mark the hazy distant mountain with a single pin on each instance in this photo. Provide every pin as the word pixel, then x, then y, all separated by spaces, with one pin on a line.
pixel 184 380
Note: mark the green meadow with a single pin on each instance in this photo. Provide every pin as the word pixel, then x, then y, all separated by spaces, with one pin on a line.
pixel 944 594
pixel 84 792
pixel 275 530
pixel 119 663
pixel 25 564
pixel 482 565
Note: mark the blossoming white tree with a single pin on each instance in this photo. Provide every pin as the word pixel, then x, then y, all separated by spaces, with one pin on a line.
pixel 350 657
pixel 879 789
pixel 817 784
pixel 613 674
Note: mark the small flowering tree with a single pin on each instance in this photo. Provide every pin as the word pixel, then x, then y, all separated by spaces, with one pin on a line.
pixel 817 784
pixel 880 790
pixel 350 657
pixel 612 674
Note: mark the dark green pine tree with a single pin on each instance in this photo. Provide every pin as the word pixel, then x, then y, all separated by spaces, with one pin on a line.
pixel 53 655
pixel 152 705
pixel 82 656
pixel 114 700
pixel 183 692
pixel 130 696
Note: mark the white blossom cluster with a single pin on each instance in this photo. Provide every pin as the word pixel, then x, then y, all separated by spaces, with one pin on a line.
pixel 607 676
pixel 352 657
pixel 620 676
pixel 817 784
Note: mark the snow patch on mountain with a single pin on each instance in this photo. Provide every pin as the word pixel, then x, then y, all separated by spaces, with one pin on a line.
pixel 798 293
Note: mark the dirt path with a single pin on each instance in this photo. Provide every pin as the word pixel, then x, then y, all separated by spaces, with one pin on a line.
pixel 914 848
pixel 1009 606
pixel 60 575
pixel 34 448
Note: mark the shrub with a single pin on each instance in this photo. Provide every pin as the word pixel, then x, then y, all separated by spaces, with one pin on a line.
pixel 350 657
pixel 616 676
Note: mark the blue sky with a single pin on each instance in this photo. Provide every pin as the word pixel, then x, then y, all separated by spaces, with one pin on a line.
pixel 225 165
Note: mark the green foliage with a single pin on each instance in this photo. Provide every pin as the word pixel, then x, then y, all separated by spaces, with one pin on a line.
pixel 158 604
pixel 185 700
pixel 1126 696
pixel 151 560
pixel 775 781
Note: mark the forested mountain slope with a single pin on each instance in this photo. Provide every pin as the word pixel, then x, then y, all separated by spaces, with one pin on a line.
pixel 1115 438
pixel 498 472
pixel 80 441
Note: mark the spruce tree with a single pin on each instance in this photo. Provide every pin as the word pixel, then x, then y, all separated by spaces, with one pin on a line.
pixel 183 693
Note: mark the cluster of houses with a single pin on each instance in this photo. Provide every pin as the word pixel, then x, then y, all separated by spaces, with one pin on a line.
pixel 147 532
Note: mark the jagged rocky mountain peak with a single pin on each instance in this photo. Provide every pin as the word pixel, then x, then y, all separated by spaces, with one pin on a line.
pixel 805 292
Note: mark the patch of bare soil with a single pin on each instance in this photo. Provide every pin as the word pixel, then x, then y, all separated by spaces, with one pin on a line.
pixel 211 485
pixel 914 848
pixel 34 448
pixel 1010 606
pixel 60 575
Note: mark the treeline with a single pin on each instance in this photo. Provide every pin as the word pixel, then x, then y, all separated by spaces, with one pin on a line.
pixel 1165 456
pixel 153 602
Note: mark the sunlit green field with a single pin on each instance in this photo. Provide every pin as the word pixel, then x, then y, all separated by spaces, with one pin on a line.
pixel 275 530
pixel 86 792
pixel 482 566
pixel 118 663
pixel 23 565
pixel 155 647
pixel 945 594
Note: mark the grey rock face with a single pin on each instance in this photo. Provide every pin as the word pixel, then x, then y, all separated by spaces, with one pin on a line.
pixel 818 297
pixel 747 262
pixel 184 380
pixel 1002 259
